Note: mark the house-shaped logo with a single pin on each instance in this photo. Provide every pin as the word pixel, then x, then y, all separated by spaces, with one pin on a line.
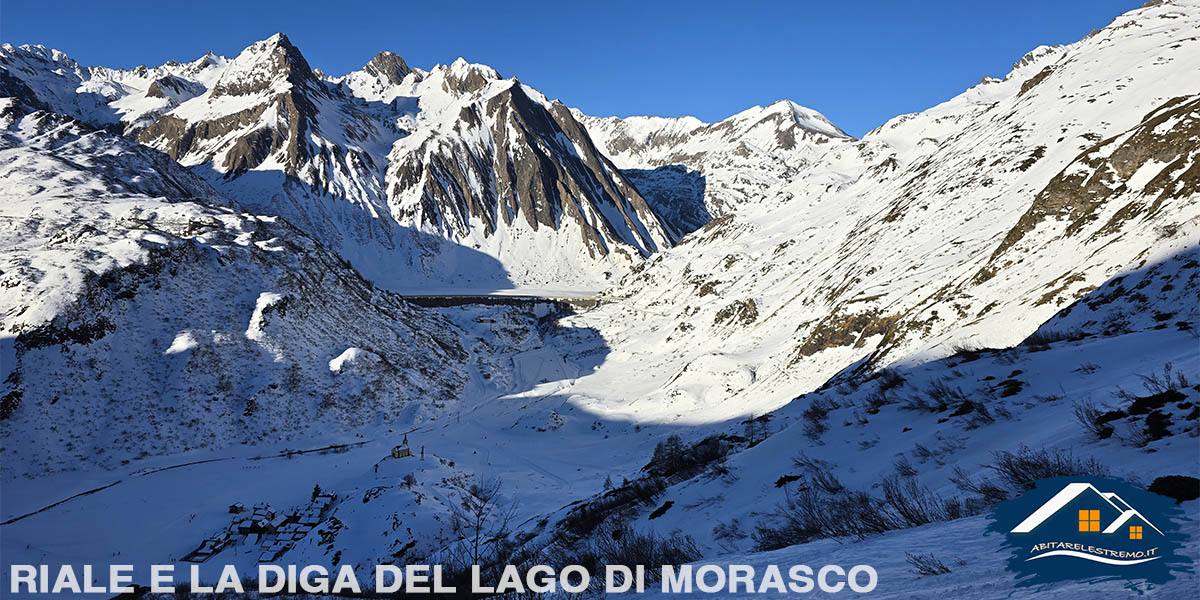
pixel 1093 511
pixel 1090 528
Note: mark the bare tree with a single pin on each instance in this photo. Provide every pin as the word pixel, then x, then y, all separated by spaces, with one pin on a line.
pixel 481 523
pixel 668 455
pixel 755 429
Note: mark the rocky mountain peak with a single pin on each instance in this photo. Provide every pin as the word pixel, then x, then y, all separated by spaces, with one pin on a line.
pixel 172 87
pixel 724 164
pixel 1037 54
pixel 39 52
pixel 389 67
pixel 263 104
pixel 788 112
pixel 209 59
pixel 462 77
pixel 515 165
pixel 269 65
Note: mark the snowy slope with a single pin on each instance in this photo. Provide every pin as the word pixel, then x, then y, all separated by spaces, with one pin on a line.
pixel 866 434
pixel 127 284
pixel 980 222
pixel 1062 194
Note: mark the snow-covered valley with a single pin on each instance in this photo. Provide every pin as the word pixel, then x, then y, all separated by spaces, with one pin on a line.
pixel 370 301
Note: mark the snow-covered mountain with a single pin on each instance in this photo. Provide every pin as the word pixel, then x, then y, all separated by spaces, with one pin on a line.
pixel 1040 229
pixel 122 100
pixel 499 167
pixel 737 160
pixel 452 176
pixel 969 224
pixel 197 319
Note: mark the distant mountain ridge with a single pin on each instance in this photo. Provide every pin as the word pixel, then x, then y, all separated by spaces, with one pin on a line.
pixel 741 157
pixel 402 171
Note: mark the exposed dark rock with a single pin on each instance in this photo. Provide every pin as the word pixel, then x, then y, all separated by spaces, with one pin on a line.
pixel 471 78
pixel 172 87
pixel 1153 402
pixel 65 333
pixel 741 312
pixel 281 59
pixel 845 330
pixel 549 172
pixel 389 67
pixel 1181 488
pixel 1036 79
pixel 1098 174
pixel 296 115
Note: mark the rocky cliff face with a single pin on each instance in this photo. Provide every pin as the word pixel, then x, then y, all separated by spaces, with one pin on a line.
pixel 266 104
pixel 381 76
pixel 509 160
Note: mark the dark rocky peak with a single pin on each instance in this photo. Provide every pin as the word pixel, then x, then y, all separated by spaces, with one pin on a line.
pixel 266 66
pixel 548 173
pixel 388 66
pixel 174 88
pixel 271 74
pixel 530 114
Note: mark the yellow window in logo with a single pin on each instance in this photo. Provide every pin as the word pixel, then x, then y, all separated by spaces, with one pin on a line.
pixel 1135 532
pixel 1089 520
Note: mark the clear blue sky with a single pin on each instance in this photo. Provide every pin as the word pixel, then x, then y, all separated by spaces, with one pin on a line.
pixel 859 63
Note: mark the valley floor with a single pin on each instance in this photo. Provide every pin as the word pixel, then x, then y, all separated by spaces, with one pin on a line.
pixel 541 420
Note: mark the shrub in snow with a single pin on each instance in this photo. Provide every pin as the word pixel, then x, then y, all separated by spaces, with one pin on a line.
pixel 1019 470
pixel 617 543
pixel 481 523
pixel 671 457
pixel 814 512
pixel 1090 417
pixel 926 564
pixel 815 416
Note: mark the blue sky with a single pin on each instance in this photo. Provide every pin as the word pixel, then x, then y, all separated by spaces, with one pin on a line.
pixel 859 63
